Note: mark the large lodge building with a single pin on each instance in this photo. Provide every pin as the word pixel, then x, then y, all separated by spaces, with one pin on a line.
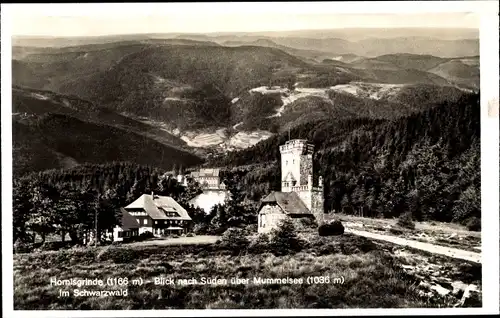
pixel 160 215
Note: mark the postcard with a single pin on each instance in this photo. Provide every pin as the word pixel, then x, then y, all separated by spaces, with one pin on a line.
pixel 238 159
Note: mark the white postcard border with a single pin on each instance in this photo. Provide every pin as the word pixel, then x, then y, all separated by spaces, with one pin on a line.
pixel 488 11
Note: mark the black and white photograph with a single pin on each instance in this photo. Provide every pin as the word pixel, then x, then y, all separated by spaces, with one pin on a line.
pixel 182 157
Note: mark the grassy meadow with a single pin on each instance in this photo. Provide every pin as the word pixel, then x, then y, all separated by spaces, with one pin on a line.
pixel 371 278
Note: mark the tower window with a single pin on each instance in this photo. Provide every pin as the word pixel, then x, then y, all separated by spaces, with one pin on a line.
pixel 286 163
pixel 293 161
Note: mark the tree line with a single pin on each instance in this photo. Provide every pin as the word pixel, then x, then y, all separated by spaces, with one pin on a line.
pixel 427 163
pixel 76 202
pixel 72 201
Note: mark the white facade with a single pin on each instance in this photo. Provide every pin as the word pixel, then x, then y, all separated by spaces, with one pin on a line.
pixel 296 164
pixel 116 238
pixel 269 218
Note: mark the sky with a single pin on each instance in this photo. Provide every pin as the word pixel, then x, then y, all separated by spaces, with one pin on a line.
pixel 109 19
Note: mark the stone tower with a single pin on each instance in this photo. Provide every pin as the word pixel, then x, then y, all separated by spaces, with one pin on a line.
pixel 297 175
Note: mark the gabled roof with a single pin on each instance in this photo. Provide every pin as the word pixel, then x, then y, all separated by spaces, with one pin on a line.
pixel 128 222
pixel 289 177
pixel 154 207
pixel 289 202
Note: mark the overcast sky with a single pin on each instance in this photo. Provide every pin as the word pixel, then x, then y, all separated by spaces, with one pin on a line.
pixel 107 19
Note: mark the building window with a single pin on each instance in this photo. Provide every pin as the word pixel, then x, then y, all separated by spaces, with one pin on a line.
pixel 286 163
pixel 156 222
pixel 145 221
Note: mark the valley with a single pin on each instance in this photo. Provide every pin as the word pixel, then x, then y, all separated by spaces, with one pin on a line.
pixel 209 106
pixel 206 89
pixel 179 154
pixel 229 100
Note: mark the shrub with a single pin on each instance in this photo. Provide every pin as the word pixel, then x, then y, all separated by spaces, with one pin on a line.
pixel 309 222
pixel 190 234
pixel 305 224
pixel 330 248
pixel 474 224
pixel 333 228
pixel 146 235
pixel 284 239
pixel 117 255
pixel 234 239
pixel 200 228
pixel 80 255
pixel 396 230
pixel 259 244
pixel 23 247
pixel 357 244
pixel 405 220
pixel 250 229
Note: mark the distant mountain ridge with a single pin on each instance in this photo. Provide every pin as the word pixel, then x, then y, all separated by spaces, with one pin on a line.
pixel 373 47
pixel 361 41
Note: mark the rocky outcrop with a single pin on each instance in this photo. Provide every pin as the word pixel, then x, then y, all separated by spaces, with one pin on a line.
pixel 455 283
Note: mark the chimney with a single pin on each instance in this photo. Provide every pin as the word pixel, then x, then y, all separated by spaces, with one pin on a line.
pixel 320 182
pixel 310 181
pixel 152 194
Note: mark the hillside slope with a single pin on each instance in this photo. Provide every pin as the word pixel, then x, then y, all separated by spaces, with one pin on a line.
pixel 84 142
pixel 464 72
pixel 188 87
pixel 38 102
pixel 461 71
pixel 307 55
pixel 209 97
pixel 57 131
pixel 427 163
pixel 54 68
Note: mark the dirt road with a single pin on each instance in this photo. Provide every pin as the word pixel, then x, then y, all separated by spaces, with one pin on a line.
pixel 436 249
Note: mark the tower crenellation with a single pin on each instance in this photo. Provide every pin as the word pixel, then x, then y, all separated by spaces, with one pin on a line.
pixel 297 175
pixel 296 163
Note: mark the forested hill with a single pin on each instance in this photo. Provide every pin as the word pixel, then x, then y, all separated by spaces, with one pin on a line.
pixel 60 141
pixel 427 163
